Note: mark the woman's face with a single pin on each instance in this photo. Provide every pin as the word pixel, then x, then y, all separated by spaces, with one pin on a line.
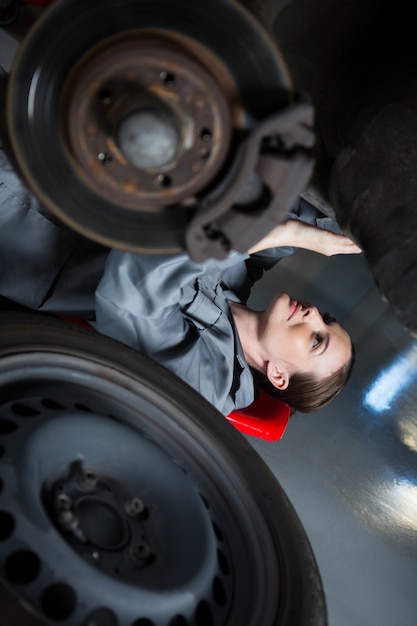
pixel 305 341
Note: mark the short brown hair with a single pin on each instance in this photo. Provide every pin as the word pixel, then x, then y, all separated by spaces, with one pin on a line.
pixel 305 393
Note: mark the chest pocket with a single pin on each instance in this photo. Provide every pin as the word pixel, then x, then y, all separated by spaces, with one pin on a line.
pixel 202 310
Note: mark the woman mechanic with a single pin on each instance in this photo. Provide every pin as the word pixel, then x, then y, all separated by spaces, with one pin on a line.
pixel 190 317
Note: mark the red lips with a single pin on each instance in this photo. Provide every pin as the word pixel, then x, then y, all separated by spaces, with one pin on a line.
pixel 294 307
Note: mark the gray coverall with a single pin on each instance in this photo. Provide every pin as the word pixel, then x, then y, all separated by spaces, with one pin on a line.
pixel 167 307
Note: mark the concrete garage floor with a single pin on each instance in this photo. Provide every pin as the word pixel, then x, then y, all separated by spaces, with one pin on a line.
pixel 351 469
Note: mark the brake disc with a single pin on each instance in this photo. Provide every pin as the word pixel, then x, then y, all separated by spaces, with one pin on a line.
pixel 130 119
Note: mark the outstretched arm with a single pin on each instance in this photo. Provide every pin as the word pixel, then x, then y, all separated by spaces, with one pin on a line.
pixel 301 235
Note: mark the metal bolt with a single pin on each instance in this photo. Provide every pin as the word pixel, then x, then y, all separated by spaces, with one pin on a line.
pixel 67 518
pixel 142 550
pixel 88 480
pixel 105 158
pixel 77 531
pixel 167 77
pixel 63 502
pixel 205 134
pixel 164 180
pixel 134 507
pixel 71 523
pixel 105 96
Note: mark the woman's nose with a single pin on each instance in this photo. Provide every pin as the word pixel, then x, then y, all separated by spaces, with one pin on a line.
pixel 310 313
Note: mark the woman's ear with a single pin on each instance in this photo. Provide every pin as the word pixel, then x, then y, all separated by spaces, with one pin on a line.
pixel 278 375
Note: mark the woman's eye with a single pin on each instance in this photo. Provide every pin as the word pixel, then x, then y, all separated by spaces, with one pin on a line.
pixel 317 341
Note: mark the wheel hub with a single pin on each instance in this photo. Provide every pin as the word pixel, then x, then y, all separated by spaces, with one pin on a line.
pixel 92 521
pixel 148 138
pixel 101 524
pixel 145 122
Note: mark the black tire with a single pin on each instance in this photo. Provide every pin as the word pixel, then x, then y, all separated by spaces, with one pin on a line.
pixel 126 499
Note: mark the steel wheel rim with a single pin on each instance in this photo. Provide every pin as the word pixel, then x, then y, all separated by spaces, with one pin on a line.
pixel 216 583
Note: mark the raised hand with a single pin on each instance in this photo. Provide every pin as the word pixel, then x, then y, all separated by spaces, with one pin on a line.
pixel 300 235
